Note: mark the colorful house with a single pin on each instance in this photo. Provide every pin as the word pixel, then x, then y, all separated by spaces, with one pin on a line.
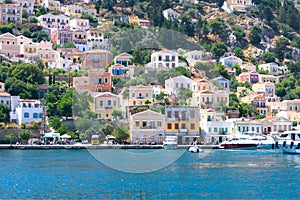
pixel 54 21
pixel 249 77
pixel 140 95
pixel 183 122
pixel 268 88
pixel 61 36
pixel 230 61
pixel 97 59
pixel 271 68
pixel 123 59
pixel 105 103
pixel 147 126
pixel 175 84
pixel 117 71
pixel 9 45
pixel 11 13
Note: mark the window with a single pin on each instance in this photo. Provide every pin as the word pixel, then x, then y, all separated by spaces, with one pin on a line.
pixel 192 114
pixel 176 114
pixel 100 81
pixel 209 130
pixel 137 123
pixel 115 103
pixel 169 126
pixel 183 126
pixel 176 126
pixel 133 95
pixel 101 103
pixel 26 115
pixel 35 115
pixel 183 115
pixel 215 130
pixel 109 103
pixel 107 115
pixel 106 80
pixel 169 114
pixel 134 103
pixel 192 126
pixel 147 95
pixel 158 123
pixel 144 123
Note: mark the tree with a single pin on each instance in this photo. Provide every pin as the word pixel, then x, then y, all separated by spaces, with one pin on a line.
pixel 69 45
pixel 239 52
pixel 55 122
pixel 280 47
pixel 218 49
pixel 238 32
pixel 29 73
pixel 185 94
pixel 121 133
pixel 64 105
pixel 4 113
pixel 147 102
pixel 117 114
pixel 63 129
pixel 107 129
pixel 25 135
pixel 217 27
pixel 10 136
pixel 254 35
pixel 268 57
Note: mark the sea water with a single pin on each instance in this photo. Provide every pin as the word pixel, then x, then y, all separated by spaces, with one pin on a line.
pixel 221 174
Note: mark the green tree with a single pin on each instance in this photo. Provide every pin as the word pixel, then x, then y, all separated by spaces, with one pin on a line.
pixel 29 73
pixel 64 105
pixel 69 45
pixel 107 129
pixel 217 27
pixel 238 69
pixel 4 113
pixel 121 133
pixel 280 47
pixel 268 57
pixel 254 35
pixel 55 122
pixel 239 53
pixel 218 49
pixel 25 135
pixel 117 114
pixel 10 136
pixel 185 94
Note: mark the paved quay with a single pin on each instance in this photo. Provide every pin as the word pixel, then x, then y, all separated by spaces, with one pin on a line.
pixel 89 146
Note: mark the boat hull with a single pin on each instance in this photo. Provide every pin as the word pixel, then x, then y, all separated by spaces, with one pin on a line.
pixel 239 146
pixel 170 146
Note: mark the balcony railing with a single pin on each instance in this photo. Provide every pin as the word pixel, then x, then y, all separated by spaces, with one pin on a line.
pixel 108 107
pixel 140 97
pixel 147 127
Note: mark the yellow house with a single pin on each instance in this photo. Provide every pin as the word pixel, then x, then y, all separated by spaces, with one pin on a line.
pixel 267 88
pixel 183 122
pixel 105 103
pixel 133 20
pixel 140 95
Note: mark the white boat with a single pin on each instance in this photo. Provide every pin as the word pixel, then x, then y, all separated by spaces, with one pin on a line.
pixel 170 142
pixel 288 137
pixel 195 149
pixel 291 148
pixel 242 141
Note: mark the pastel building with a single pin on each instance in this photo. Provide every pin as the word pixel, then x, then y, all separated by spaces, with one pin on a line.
pixel 96 81
pixel 73 10
pixel 170 14
pixel 80 41
pixel 222 83
pixel 139 95
pixel 147 126
pixel 230 61
pixel 11 13
pixel 117 71
pixel 79 24
pixel 27 111
pixel 124 59
pixel 271 68
pixel 183 122
pixel 238 5
pixel 164 59
pixel 105 103
pixel 61 36
pixel 249 77
pixel 197 56
pixel 175 84
pixel 9 45
pixel 54 21
pixel 96 39
pixel 97 59
pixel 268 88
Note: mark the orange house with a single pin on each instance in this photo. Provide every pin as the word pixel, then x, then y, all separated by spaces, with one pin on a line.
pixel 97 81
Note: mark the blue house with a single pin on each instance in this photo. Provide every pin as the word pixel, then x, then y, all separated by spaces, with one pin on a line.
pixel 223 83
pixel 117 70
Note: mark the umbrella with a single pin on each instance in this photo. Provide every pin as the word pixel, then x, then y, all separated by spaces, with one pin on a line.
pixel 65 136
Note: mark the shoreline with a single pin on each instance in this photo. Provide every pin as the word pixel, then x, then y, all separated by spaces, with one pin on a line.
pixel 89 146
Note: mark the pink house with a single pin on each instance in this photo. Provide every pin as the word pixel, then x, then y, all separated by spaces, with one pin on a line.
pixel 249 77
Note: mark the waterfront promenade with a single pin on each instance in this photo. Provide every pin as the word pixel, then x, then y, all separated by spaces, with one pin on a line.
pixel 103 146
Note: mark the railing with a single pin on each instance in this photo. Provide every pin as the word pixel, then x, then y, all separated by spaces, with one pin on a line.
pixel 108 107
pixel 140 97
pixel 147 127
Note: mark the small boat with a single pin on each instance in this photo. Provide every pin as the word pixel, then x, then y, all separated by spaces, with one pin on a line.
pixel 291 148
pixel 170 142
pixel 194 149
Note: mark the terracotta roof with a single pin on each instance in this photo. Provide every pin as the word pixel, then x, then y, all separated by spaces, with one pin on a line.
pixel 4 94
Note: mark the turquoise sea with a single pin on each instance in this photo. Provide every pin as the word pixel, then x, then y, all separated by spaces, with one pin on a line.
pixel 221 174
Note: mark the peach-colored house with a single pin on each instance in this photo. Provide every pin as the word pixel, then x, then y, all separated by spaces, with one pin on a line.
pixel 9 45
pixel 79 24
pixel 11 13
pixel 48 56
pixel 97 59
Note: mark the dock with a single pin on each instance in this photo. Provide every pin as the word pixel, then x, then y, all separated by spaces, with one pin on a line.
pixel 89 146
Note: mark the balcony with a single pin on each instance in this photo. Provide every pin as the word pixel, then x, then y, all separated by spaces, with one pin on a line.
pixel 140 97
pixel 147 127
pixel 182 130
pixel 108 107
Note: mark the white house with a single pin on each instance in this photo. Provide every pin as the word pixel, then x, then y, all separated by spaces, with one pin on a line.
pixel 5 98
pixel 238 5
pixel 197 56
pixel 230 61
pixel 271 68
pixel 28 110
pixel 164 59
pixel 170 14
pixel 175 84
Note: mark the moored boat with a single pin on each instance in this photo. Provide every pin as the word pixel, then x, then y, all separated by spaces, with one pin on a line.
pixel 291 148
pixel 287 137
pixel 170 142
pixel 194 149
